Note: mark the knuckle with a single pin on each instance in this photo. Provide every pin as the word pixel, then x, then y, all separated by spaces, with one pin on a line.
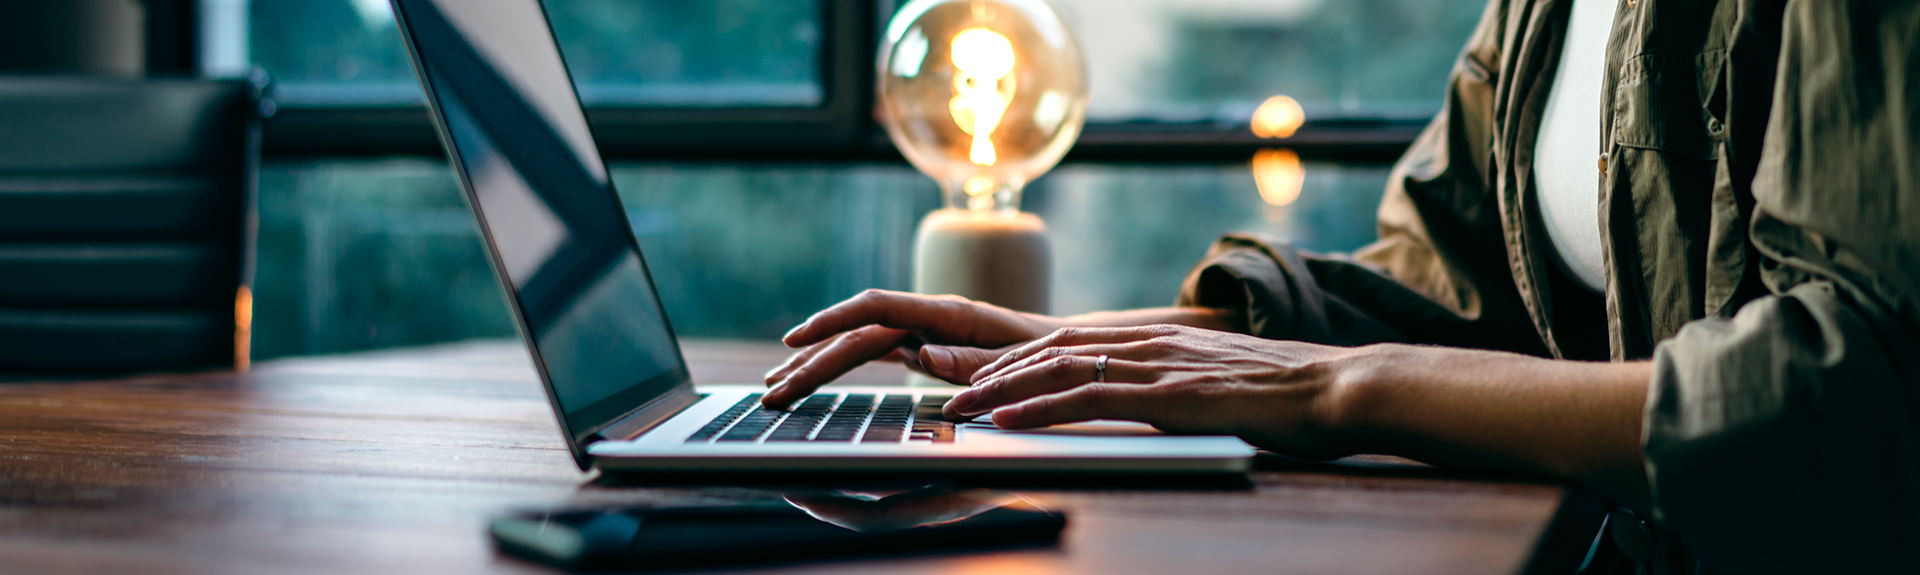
pixel 989 388
pixel 1147 349
pixel 1043 407
pixel 862 335
pixel 1058 368
pixel 1098 397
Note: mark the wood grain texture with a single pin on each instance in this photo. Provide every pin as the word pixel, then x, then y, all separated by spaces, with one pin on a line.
pixel 391 462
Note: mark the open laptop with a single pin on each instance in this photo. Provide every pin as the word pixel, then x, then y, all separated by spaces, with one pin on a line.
pixel 586 306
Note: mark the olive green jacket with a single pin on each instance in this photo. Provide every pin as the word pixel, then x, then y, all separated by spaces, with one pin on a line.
pixel 1760 215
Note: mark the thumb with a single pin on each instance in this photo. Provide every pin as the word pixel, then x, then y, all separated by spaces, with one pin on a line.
pixel 955 364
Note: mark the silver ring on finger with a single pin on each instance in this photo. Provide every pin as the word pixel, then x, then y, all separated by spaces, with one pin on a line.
pixel 1100 368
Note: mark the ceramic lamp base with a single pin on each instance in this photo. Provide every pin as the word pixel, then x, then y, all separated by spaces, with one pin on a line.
pixel 1001 258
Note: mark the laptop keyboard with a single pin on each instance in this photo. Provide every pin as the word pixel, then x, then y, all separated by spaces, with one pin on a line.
pixel 861 418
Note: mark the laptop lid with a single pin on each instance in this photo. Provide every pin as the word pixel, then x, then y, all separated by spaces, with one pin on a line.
pixel 555 230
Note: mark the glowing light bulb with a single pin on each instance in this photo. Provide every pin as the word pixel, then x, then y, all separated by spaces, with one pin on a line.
pixel 980 95
pixel 983 96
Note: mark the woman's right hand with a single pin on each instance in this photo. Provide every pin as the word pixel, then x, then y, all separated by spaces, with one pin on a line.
pixel 886 325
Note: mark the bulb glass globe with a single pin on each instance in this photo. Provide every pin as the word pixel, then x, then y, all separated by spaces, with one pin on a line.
pixel 983 96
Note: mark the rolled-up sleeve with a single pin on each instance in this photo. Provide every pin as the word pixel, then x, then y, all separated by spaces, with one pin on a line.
pixel 1271 284
pixel 1787 438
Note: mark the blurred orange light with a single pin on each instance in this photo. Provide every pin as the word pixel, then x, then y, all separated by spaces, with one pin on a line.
pixel 1278 117
pixel 1278 174
pixel 242 328
pixel 1004 564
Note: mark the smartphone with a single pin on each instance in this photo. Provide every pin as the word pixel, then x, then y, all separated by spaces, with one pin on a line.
pixel 804 528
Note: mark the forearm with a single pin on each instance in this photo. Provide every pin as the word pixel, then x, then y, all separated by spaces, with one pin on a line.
pixel 1579 420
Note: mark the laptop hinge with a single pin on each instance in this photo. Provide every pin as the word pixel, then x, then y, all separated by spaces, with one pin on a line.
pixel 649 416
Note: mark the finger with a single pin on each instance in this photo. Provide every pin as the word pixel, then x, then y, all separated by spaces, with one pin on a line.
pixel 841 355
pixel 1085 403
pixel 954 364
pixel 775 375
pixel 952 319
pixel 1051 376
pixel 798 358
pixel 1068 337
pixel 899 355
pixel 1129 350
pixel 902 356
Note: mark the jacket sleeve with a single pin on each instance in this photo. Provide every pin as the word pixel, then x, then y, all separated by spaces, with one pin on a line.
pixel 1787 438
pixel 1438 273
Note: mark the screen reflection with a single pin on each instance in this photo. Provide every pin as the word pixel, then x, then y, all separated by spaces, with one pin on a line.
pixel 543 196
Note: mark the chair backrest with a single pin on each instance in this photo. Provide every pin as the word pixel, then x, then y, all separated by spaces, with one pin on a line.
pixel 126 223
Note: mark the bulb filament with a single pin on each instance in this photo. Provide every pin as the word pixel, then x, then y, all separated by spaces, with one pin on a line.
pixel 982 88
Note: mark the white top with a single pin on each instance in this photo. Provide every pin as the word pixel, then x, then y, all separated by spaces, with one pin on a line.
pixel 1567 154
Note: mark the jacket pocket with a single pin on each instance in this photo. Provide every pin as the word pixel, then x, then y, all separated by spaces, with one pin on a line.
pixel 1657 106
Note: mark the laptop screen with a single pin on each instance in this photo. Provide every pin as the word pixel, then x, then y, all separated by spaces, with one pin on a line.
pixel 557 232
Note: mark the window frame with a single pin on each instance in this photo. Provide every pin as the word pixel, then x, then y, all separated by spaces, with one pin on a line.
pixel 839 129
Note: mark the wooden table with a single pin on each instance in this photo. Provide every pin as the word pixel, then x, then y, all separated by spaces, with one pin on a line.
pixel 391 462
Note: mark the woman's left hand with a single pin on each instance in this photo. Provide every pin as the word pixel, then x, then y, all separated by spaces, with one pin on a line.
pixel 1280 395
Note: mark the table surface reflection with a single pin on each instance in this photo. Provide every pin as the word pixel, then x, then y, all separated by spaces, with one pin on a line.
pixel 392 461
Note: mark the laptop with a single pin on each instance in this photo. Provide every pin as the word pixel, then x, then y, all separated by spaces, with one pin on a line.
pixel 585 303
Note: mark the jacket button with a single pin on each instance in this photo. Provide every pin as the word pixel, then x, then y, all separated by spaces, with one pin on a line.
pixel 1603 164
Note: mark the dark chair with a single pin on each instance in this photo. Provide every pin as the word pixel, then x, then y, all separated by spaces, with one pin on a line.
pixel 126 223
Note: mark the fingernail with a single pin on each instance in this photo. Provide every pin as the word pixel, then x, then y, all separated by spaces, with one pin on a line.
pixel 979 378
pixel 962 403
pixel 940 359
pixel 796 329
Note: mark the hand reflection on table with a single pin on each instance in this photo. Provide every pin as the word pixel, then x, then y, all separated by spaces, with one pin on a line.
pixel 889 511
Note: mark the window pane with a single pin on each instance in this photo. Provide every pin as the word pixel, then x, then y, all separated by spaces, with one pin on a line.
pixel 1201 60
pixel 632 52
pixel 360 254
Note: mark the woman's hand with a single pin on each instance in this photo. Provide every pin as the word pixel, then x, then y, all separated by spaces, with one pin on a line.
pixel 1467 408
pixel 879 324
pixel 1276 394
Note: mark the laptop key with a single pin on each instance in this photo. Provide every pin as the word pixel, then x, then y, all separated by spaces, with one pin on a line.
pixel 751 426
pixel 847 419
pixel 805 417
pixel 723 420
pixel 889 420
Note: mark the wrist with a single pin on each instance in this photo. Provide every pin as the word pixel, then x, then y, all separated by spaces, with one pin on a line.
pixel 1357 404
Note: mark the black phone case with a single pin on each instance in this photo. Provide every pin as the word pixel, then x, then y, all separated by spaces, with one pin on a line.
pixel 678 538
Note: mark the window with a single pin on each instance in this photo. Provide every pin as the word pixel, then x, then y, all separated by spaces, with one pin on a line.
pixel 1217 60
pixel 359 254
pixel 791 78
pixel 622 52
